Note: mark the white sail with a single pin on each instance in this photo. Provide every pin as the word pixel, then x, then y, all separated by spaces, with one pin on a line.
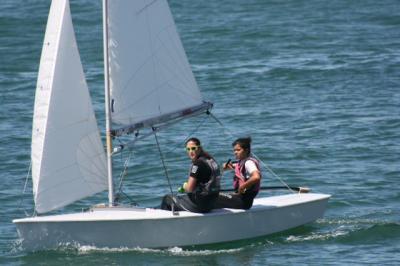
pixel 150 76
pixel 68 160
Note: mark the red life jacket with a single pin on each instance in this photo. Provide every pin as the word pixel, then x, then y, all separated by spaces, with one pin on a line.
pixel 240 174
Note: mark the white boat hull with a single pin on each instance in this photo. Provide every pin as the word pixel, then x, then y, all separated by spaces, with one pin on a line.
pixel 153 228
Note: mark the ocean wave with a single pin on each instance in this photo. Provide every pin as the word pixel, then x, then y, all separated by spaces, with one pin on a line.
pixel 355 221
pixel 182 252
pixel 351 231
pixel 373 234
pixel 174 251
pixel 318 236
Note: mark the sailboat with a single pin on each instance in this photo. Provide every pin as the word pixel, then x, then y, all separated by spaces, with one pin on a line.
pixel 148 83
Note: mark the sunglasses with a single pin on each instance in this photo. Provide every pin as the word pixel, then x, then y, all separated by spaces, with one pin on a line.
pixel 194 148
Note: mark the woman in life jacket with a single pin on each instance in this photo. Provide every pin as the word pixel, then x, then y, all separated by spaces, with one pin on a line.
pixel 247 178
pixel 202 186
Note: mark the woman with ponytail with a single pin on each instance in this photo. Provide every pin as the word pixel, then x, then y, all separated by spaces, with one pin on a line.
pixel 247 178
pixel 202 186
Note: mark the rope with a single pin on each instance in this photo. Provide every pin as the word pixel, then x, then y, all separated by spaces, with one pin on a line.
pixel 163 162
pixel 27 176
pixel 125 171
pixel 157 128
pixel 24 190
pixel 262 163
pixel 190 134
pixel 273 173
pixel 123 174
pixel 154 129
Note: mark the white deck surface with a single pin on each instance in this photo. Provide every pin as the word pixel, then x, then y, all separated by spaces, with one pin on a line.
pixel 134 213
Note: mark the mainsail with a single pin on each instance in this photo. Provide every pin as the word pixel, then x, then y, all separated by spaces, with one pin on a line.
pixel 150 77
pixel 68 160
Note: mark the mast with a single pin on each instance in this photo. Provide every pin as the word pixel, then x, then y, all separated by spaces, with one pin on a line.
pixel 107 106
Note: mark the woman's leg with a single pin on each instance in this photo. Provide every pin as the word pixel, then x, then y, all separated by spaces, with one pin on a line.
pixel 232 201
pixel 181 203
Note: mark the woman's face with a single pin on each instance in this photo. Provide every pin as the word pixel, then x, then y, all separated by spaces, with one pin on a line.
pixel 239 152
pixel 192 150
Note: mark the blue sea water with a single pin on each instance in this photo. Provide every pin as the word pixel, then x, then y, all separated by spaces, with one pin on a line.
pixel 315 83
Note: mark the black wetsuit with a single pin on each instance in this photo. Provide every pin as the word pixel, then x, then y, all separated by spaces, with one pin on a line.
pixel 202 199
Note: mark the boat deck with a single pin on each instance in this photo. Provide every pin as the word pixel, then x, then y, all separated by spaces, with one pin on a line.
pixel 137 213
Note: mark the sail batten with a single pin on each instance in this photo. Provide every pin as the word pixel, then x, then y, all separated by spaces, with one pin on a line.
pixel 150 76
pixel 68 160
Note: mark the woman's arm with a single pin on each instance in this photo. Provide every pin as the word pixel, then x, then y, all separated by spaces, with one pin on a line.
pixel 255 177
pixel 190 185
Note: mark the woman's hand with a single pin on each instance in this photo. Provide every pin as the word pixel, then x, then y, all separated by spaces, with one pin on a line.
pixel 229 166
pixel 242 189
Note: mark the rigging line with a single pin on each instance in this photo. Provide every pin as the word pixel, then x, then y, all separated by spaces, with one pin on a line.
pixel 273 173
pixel 162 160
pixel 27 176
pixel 158 128
pixel 123 175
pixel 131 201
pixel 191 133
pixel 24 190
pixel 145 7
pixel 262 163
pixel 125 171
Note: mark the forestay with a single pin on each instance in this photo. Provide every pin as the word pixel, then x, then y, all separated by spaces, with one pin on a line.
pixel 68 160
pixel 150 77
